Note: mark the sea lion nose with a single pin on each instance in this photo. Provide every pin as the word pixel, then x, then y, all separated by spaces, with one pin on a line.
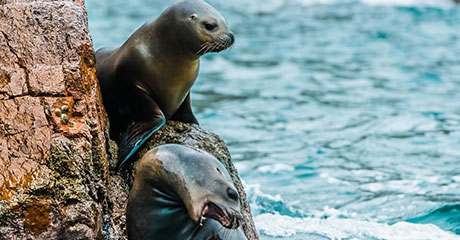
pixel 231 36
pixel 232 194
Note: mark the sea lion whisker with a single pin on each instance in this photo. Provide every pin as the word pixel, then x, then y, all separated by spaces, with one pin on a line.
pixel 225 45
pixel 228 44
pixel 221 45
pixel 216 46
pixel 208 44
pixel 199 51
pixel 203 46
pixel 208 49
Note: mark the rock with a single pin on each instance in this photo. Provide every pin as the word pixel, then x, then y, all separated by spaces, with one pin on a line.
pixel 193 135
pixel 47 80
pixel 56 179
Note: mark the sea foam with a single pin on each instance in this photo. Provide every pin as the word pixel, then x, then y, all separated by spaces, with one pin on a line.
pixel 275 225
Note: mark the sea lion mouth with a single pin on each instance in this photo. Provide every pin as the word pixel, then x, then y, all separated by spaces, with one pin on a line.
pixel 218 45
pixel 211 210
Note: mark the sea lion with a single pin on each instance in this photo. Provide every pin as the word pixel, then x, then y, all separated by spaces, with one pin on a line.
pixel 147 80
pixel 182 193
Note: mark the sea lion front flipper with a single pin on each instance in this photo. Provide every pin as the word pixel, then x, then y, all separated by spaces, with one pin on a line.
pixel 136 135
pixel 184 113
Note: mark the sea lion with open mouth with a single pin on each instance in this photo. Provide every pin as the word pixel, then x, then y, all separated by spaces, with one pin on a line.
pixel 185 194
pixel 147 80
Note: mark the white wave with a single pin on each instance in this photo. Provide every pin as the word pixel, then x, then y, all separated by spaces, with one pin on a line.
pixel 276 225
pixel 263 202
pixel 431 3
pixel 329 212
pixel 265 7
pixel 456 178
pixel 405 3
pixel 272 6
pixel 255 192
pixel 332 180
pixel 312 2
pixel 275 168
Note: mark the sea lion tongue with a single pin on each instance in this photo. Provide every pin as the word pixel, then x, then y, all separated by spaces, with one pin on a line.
pixel 211 210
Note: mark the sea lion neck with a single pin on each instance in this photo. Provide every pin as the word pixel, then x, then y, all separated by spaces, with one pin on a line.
pixel 163 38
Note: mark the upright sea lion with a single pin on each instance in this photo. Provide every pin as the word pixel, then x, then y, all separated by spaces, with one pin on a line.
pixel 182 193
pixel 147 80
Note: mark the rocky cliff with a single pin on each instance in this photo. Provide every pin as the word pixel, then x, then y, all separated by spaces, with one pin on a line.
pixel 55 154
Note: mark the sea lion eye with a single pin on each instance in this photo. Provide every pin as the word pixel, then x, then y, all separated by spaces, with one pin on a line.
pixel 232 194
pixel 210 26
pixel 218 170
pixel 193 16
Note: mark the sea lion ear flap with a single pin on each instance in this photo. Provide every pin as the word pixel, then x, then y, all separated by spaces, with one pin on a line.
pixel 193 16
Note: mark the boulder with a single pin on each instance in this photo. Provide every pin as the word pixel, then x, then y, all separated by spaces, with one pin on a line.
pixel 56 157
pixel 193 135
pixel 54 163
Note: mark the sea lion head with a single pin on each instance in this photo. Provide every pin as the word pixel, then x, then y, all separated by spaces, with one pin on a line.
pixel 203 28
pixel 214 195
pixel 200 181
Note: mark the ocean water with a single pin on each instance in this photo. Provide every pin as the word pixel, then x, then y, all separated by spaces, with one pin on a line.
pixel 342 116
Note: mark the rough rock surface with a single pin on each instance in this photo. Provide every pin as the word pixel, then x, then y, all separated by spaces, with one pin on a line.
pixel 54 168
pixel 194 136
pixel 55 154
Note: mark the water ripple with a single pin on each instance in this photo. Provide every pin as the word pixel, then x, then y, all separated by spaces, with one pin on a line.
pixel 327 106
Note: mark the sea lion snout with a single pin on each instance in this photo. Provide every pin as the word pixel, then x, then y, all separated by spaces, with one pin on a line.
pixel 222 42
pixel 228 217
pixel 222 200
pixel 232 37
pixel 209 27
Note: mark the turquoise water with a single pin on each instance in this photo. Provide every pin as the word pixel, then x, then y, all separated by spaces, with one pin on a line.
pixel 343 117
